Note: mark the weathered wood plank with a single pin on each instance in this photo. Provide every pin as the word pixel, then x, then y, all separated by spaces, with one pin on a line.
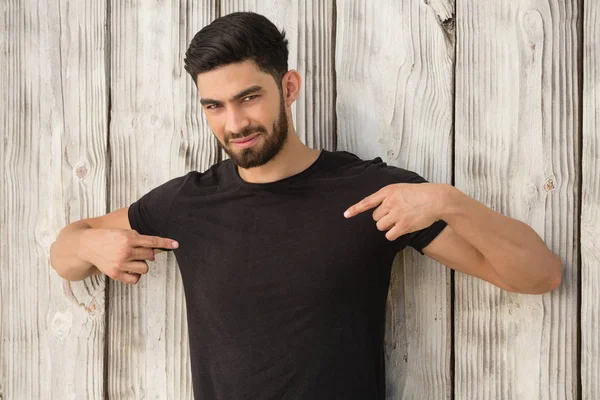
pixel 394 67
pixel 4 93
pixel 517 151
pixel 309 30
pixel 590 212
pixel 157 132
pixel 53 119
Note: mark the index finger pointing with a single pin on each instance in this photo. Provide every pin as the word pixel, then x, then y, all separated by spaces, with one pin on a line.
pixel 365 204
pixel 156 242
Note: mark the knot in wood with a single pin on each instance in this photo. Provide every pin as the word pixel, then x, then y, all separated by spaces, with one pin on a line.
pixel 549 185
pixel 81 171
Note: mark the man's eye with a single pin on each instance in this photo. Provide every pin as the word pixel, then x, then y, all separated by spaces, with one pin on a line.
pixel 248 98
pixel 212 106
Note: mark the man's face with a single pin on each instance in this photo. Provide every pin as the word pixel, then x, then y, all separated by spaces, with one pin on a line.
pixel 245 109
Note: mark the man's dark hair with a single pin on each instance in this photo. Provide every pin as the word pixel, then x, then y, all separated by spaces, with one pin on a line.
pixel 238 37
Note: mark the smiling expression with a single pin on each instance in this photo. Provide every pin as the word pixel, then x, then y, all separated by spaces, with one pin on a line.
pixel 245 109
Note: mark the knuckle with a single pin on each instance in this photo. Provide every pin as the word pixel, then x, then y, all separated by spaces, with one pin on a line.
pixel 127 238
pixel 118 267
pixel 125 253
pixel 402 226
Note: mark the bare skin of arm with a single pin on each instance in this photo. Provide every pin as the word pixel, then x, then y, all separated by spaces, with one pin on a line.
pixel 107 245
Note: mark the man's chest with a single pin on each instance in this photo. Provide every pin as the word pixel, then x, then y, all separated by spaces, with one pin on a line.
pixel 272 249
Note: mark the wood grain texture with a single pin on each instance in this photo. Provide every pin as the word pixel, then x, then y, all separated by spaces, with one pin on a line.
pixel 54 147
pixel 309 29
pixel 4 93
pixel 157 132
pixel 590 208
pixel 394 65
pixel 517 151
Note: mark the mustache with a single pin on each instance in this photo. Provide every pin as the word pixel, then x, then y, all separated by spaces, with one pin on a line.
pixel 247 131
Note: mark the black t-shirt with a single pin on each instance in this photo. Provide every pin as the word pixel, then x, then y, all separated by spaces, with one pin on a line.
pixel 285 296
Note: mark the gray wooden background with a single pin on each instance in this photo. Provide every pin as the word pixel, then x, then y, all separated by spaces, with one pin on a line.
pixel 499 97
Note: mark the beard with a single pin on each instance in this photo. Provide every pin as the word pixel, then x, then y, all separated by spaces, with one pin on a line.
pixel 267 147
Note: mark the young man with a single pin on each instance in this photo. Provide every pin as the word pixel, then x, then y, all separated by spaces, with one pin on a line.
pixel 285 274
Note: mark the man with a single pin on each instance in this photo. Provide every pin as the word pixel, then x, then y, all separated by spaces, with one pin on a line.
pixel 285 273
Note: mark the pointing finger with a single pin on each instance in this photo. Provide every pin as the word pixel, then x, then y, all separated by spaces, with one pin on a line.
pixel 156 242
pixel 365 204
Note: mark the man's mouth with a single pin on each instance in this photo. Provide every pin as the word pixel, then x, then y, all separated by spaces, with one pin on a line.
pixel 245 142
pixel 245 139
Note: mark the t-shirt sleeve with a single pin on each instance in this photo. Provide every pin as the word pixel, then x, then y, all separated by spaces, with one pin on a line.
pixel 418 239
pixel 149 215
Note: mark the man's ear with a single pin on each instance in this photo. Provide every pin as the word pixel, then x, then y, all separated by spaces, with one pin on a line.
pixel 291 86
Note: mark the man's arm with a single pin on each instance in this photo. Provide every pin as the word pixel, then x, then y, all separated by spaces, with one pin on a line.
pixel 477 241
pixel 64 251
pixel 484 243
pixel 105 245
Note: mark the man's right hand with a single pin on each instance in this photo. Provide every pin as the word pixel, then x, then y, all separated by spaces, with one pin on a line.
pixel 121 254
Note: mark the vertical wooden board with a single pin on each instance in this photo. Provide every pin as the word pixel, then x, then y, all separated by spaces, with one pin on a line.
pixel 157 132
pixel 309 29
pixel 517 151
pixel 394 66
pixel 4 95
pixel 53 172
pixel 590 208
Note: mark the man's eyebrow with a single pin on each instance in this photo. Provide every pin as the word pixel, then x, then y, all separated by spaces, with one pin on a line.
pixel 246 92
pixel 238 96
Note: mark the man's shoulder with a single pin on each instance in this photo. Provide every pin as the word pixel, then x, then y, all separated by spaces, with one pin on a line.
pixel 344 157
pixel 347 163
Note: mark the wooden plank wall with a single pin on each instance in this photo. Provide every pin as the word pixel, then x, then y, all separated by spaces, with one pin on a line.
pixel 590 207
pixel 97 110
pixel 53 169
pixel 517 151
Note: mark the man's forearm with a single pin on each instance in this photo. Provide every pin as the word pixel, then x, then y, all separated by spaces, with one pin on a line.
pixel 515 251
pixel 63 253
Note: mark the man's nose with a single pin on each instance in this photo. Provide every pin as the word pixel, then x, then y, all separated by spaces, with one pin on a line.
pixel 236 121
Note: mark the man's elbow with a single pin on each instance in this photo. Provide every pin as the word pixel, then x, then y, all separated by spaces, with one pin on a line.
pixel 551 281
pixel 547 283
pixel 557 272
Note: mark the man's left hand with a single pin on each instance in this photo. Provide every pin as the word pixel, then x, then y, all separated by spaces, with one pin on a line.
pixel 402 207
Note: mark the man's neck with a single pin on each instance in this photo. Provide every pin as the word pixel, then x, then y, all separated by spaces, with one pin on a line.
pixel 293 158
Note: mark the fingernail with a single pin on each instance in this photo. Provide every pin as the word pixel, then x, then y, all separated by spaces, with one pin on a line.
pixel 346 213
pixel 175 244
